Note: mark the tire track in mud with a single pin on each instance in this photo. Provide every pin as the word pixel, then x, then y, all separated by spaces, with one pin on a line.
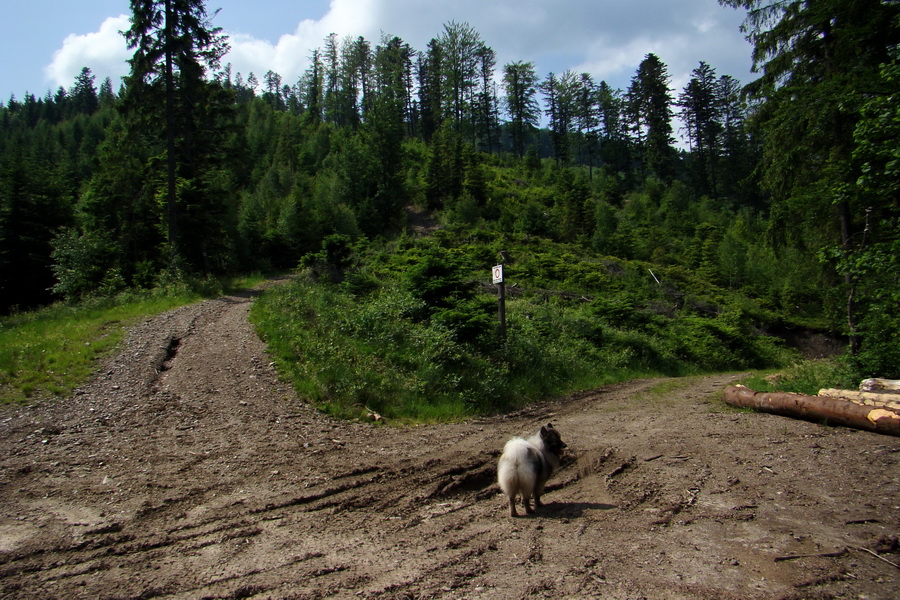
pixel 240 522
pixel 188 470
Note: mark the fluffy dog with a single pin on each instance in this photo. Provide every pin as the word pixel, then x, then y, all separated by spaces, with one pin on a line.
pixel 526 465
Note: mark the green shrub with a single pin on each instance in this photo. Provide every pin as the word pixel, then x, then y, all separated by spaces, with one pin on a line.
pixel 83 264
pixel 409 333
pixel 438 279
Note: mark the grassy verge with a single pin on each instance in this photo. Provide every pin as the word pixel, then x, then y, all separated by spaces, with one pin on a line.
pixel 805 377
pixel 51 351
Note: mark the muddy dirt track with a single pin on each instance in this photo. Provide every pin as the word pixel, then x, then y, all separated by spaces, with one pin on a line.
pixel 187 469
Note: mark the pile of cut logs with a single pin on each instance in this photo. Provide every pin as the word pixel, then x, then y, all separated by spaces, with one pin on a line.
pixel 875 407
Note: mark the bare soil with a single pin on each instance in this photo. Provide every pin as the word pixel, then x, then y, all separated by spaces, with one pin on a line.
pixel 188 469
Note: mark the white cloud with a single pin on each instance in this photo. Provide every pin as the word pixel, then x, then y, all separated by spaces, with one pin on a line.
pixel 708 33
pixel 290 55
pixel 104 51
pixel 603 37
pixel 616 62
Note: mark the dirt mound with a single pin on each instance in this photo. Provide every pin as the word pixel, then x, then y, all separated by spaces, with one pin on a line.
pixel 187 469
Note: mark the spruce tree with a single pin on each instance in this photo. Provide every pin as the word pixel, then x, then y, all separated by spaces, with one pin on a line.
pixel 174 46
pixel 459 45
pixel 650 111
pixel 701 112
pixel 430 89
pixel 106 97
pixel 485 103
pixel 520 84
pixel 562 109
pixel 614 150
pixel 83 95
pixel 587 119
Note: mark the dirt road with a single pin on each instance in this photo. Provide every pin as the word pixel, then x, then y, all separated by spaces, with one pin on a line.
pixel 188 470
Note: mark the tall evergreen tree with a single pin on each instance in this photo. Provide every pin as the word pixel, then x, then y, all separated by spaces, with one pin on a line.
pixel 550 88
pixel 587 119
pixel 175 45
pixel 738 153
pixel 107 96
pixel 252 83
pixel 392 65
pixel 384 131
pixel 83 95
pixel 394 74
pixel 562 108
pixel 362 62
pixel 430 68
pixel 701 112
pixel 614 146
pixel 486 109
pixel 272 95
pixel 520 85
pixel 459 45
pixel 313 87
pixel 354 67
pixel 331 78
pixel 650 111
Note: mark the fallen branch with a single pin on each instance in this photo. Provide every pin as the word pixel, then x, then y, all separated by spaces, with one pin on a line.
pixel 876 555
pixel 620 468
pixel 834 554
pixel 817 409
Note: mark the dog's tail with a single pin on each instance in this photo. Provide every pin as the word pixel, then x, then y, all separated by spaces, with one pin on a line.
pixel 518 469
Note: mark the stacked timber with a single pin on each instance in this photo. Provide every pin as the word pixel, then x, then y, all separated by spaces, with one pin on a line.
pixel 880 386
pixel 882 400
pixel 876 407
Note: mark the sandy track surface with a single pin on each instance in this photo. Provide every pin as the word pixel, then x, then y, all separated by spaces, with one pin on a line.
pixel 188 470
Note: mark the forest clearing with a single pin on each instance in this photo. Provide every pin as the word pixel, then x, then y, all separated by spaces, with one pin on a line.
pixel 189 470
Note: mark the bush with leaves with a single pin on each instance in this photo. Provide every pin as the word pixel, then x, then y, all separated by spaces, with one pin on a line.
pixel 83 263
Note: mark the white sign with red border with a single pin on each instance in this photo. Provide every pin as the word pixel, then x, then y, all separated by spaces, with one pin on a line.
pixel 497 272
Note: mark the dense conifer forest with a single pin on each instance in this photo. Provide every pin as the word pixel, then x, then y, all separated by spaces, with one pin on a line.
pixel 779 213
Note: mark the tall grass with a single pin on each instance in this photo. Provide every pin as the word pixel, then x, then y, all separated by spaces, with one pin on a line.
pixel 347 356
pixel 806 377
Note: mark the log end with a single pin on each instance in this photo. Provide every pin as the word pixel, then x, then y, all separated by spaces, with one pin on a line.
pixel 884 418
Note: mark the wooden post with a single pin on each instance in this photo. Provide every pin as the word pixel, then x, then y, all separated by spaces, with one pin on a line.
pixel 497 275
pixel 502 311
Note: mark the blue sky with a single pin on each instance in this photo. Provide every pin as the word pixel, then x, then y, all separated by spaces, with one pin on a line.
pixel 45 43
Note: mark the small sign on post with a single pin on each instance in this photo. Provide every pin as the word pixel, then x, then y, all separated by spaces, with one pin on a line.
pixel 497 275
